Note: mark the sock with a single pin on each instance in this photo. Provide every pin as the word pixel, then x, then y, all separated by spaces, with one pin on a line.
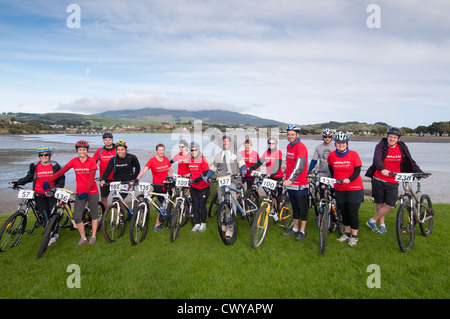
pixel 372 220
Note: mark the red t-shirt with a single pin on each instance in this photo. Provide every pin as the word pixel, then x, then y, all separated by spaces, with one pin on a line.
pixel 196 167
pixel 250 159
pixel 160 169
pixel 104 158
pixel 391 163
pixel 43 172
pixel 343 168
pixel 272 159
pixel 183 163
pixel 292 153
pixel 82 174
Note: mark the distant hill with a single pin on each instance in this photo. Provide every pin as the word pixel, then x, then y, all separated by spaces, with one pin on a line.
pixel 219 117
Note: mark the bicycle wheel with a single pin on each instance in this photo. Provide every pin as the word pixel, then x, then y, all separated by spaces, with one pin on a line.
pixel 324 224
pixel 50 231
pixel 139 224
pixel 177 217
pixel 336 221
pixel 213 205
pixel 405 227
pixel 251 199
pixel 227 224
pixel 87 219
pixel 286 216
pixel 426 211
pixel 314 199
pixel 113 225
pixel 12 230
pixel 260 225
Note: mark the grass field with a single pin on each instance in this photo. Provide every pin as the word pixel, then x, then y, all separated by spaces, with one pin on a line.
pixel 199 265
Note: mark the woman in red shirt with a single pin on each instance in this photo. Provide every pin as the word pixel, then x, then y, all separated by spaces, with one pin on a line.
pixel 87 190
pixel 345 165
pixel 161 168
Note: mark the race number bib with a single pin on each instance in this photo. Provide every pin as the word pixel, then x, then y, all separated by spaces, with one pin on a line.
pixel 118 186
pixel 269 183
pixel 224 181
pixel 145 187
pixel 404 177
pixel 182 182
pixel 328 181
pixel 26 194
pixel 63 195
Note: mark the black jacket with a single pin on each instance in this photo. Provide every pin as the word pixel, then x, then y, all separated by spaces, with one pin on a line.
pixel 31 175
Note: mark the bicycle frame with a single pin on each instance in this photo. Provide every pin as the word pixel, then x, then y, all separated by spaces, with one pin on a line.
pixel 414 200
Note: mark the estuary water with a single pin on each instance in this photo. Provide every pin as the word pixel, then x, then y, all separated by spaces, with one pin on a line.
pixel 18 151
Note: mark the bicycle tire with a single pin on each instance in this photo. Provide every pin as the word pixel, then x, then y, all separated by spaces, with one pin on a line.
pixel 286 217
pixel 252 204
pixel 226 223
pixel 113 228
pixel 176 221
pixel 213 205
pixel 336 222
pixel 405 228
pixel 324 225
pixel 426 208
pixel 50 231
pixel 139 224
pixel 87 219
pixel 314 199
pixel 260 225
pixel 9 234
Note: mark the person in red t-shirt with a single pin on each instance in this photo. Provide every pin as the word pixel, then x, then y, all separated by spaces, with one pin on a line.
pixel 250 157
pixel 199 189
pixel 391 155
pixel 102 157
pixel 37 174
pixel 182 158
pixel 296 182
pixel 161 168
pixel 85 168
pixel 345 165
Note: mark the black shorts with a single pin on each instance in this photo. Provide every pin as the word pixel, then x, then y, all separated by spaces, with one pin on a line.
pixel 384 192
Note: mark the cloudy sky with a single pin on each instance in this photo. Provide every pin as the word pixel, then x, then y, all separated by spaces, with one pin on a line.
pixel 296 61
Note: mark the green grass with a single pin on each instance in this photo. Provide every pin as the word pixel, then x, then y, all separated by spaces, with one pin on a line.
pixel 199 265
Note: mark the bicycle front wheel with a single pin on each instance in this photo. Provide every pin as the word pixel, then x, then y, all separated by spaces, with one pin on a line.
pixel 50 231
pixel 405 227
pixel 12 230
pixel 427 212
pixel 139 224
pixel 260 225
pixel 226 224
pixel 324 224
pixel 113 225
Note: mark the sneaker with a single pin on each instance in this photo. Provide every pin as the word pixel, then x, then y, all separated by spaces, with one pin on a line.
pixel 53 239
pixel 373 226
pixel 300 236
pixel 195 229
pixel 382 229
pixel 202 228
pixel 353 241
pixel 158 228
pixel 291 232
pixel 82 241
pixel 92 240
pixel 343 238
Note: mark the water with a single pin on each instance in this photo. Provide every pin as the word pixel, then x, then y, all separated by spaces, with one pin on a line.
pixel 18 151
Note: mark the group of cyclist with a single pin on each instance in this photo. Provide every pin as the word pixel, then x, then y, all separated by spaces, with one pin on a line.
pixel 335 160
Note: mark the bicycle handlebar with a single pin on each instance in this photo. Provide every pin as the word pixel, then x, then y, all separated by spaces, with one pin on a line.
pixel 416 175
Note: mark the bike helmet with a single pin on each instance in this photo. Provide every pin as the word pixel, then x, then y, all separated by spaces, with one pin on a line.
pixel 395 130
pixel 195 145
pixel 341 137
pixel 327 132
pixel 81 143
pixel 293 127
pixel 122 143
pixel 107 135
pixel 44 148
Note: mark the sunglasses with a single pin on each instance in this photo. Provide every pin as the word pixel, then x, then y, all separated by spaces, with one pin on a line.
pixel 328 137
pixel 194 150
pixel 44 154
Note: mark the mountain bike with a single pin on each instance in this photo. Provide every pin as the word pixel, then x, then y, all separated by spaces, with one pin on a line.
pixel 313 191
pixel 182 208
pixel 13 228
pixel 329 218
pixel 113 221
pixel 273 206
pixel 247 204
pixel 164 208
pixel 415 207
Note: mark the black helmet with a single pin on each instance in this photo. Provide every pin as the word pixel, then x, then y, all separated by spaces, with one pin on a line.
pixel 395 130
pixel 107 135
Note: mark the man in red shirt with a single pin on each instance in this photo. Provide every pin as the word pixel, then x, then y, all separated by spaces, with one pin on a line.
pixel 102 157
pixel 182 158
pixel 161 168
pixel 391 155
pixel 250 157
pixel 295 180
